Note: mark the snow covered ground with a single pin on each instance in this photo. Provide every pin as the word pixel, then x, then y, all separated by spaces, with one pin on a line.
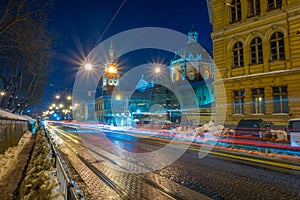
pixel 9 159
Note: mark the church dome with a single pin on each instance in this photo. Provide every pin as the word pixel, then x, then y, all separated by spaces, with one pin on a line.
pixel 193 51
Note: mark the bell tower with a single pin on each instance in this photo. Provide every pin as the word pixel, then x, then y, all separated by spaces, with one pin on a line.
pixel 111 75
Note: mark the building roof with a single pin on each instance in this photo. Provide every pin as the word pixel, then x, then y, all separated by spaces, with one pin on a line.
pixel 193 51
pixel 142 84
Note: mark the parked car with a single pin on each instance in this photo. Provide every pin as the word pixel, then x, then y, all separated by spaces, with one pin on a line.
pixel 253 128
pixel 293 132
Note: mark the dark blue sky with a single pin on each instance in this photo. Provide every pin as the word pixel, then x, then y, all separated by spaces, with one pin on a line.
pixel 80 24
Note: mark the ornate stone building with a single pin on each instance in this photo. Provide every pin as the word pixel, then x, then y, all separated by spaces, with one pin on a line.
pixel 110 79
pixel 256 48
pixel 194 64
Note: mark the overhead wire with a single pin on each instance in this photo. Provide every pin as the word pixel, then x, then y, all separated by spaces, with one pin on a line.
pixel 110 22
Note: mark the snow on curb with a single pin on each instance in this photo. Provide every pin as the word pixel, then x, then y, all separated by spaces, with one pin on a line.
pixel 41 181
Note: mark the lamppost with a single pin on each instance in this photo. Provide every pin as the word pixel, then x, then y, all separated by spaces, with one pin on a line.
pixel 2 94
pixel 124 109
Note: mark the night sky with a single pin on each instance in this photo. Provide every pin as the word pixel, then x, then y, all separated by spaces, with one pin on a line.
pixel 80 24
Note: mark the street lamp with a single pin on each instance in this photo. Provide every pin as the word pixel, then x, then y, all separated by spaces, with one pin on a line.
pixel 57 97
pixel 118 97
pixel 88 66
pixel 69 98
pixel 2 93
pixel 157 70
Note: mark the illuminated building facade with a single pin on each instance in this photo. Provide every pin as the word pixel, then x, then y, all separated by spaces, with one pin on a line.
pixel 194 64
pixel 110 80
pixel 256 48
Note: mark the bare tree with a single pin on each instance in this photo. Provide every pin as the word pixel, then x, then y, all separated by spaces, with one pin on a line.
pixel 25 52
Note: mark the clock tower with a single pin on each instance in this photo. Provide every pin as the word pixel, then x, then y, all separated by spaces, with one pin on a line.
pixel 110 75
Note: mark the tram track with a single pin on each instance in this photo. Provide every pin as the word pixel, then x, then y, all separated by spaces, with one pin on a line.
pixel 117 187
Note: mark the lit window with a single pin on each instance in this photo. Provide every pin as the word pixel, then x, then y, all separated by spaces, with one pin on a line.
pixel 236 11
pixel 258 100
pixel 177 76
pixel 280 99
pixel 277 46
pixel 256 52
pixel 238 55
pixel 239 102
pixel 273 4
pixel 191 76
pixel 173 76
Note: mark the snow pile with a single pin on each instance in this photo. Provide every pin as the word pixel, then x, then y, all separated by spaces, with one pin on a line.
pixel 9 159
pixel 7 115
pixel 281 135
pixel 40 181
pixel 210 128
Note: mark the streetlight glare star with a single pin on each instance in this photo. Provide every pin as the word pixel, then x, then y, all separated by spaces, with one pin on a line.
pixel 88 66
pixel 157 69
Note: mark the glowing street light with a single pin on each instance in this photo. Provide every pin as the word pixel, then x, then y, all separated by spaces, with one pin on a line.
pixel 69 98
pixel 88 66
pixel 157 70
pixel 57 97
pixel 118 97
pixel 2 93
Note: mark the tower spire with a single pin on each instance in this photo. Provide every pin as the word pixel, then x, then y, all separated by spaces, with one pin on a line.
pixel 192 35
pixel 111 52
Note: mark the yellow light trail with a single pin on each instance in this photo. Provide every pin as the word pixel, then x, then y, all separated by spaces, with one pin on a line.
pixel 272 163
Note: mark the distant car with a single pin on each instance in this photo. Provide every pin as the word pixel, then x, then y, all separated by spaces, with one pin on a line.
pixel 253 128
pixel 293 132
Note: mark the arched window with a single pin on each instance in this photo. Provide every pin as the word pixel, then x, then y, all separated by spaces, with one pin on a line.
pixel 256 52
pixel 236 10
pixel 253 8
pixel 238 55
pixel 277 46
pixel 191 75
pixel 273 4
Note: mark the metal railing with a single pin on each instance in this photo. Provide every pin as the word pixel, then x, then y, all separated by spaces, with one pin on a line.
pixel 66 183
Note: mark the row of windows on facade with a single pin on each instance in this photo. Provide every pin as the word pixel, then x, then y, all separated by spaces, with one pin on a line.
pixel 178 75
pixel 253 7
pixel 191 76
pixel 256 50
pixel 280 100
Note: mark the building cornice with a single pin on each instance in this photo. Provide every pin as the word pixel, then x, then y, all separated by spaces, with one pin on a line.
pixel 258 75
